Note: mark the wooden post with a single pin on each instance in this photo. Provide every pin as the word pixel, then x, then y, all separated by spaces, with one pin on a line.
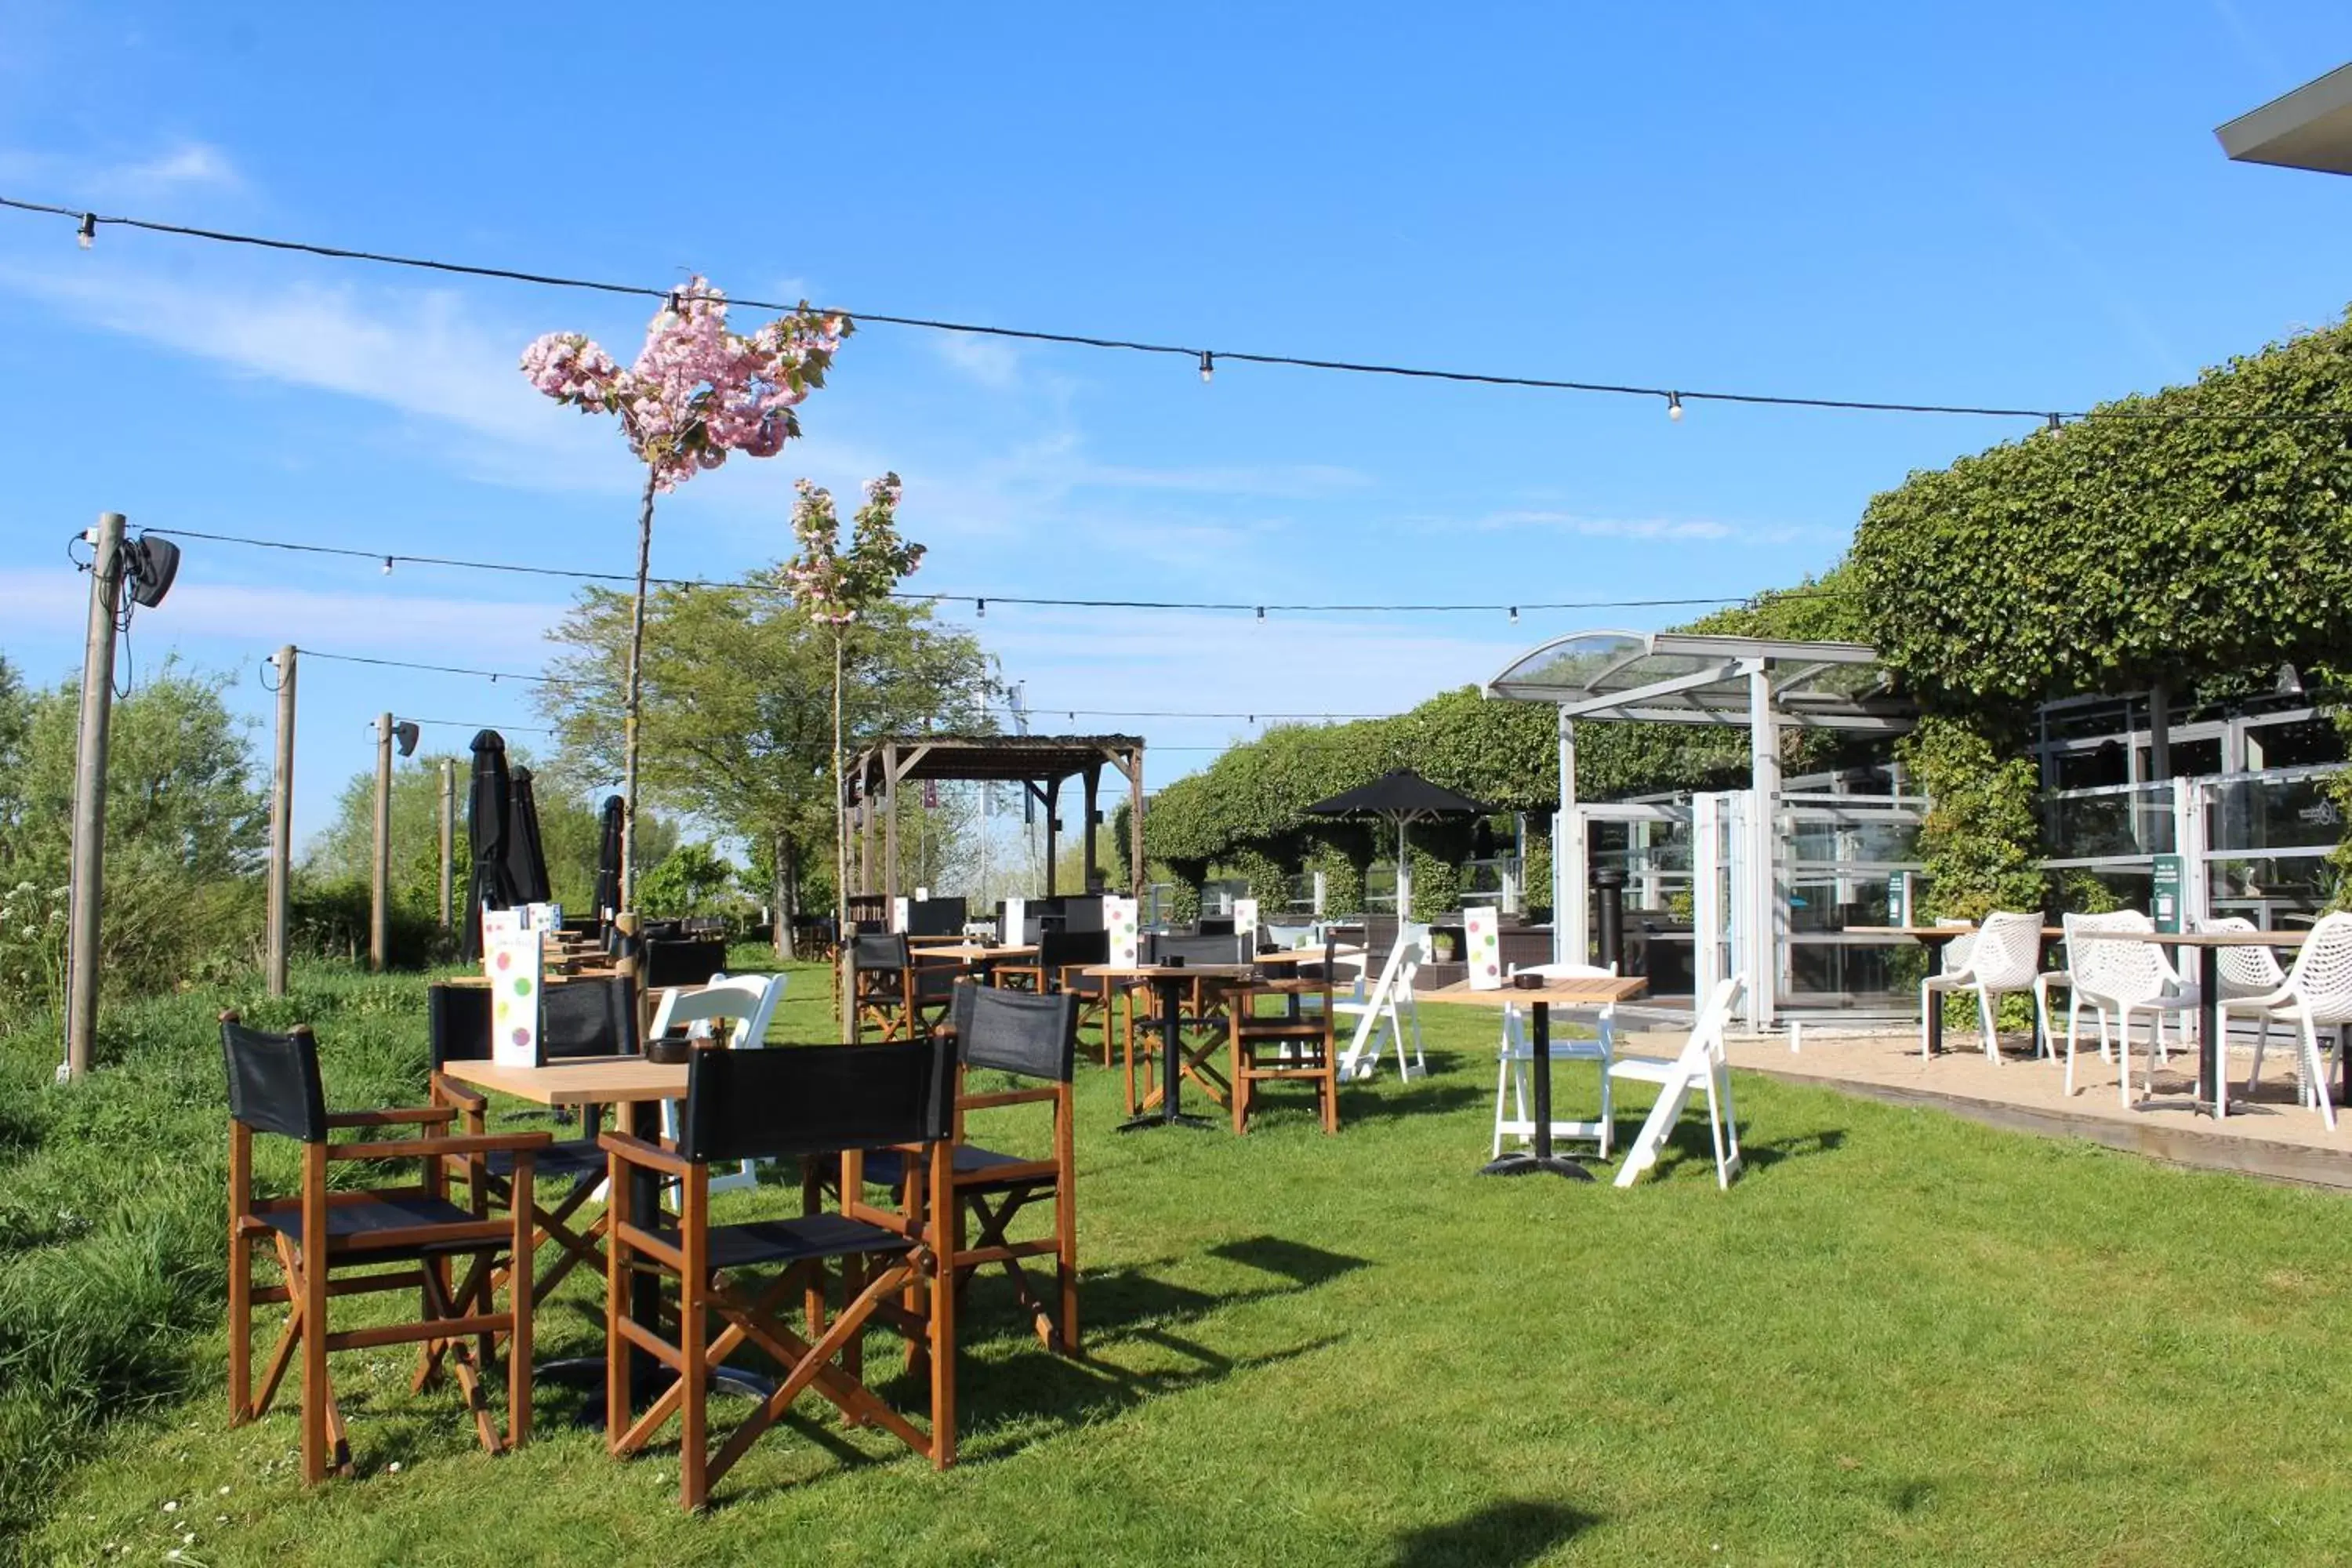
pixel 1135 822
pixel 448 840
pixel 380 904
pixel 90 793
pixel 1093 778
pixel 1053 823
pixel 890 822
pixel 281 828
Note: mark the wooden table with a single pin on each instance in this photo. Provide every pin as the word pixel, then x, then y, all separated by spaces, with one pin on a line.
pixel 550 976
pixel 1935 939
pixel 981 960
pixel 1581 991
pixel 1166 982
pixel 2208 945
pixel 640 1086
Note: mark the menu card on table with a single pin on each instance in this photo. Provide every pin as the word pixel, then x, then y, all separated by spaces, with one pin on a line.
pixel 511 962
pixel 1483 935
pixel 1245 917
pixel 1120 920
pixel 1016 921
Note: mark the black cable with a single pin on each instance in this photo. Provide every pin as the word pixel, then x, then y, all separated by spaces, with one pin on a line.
pixel 494 675
pixel 1673 396
pixel 1524 605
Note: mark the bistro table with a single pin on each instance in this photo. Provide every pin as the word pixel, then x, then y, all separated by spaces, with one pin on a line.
pixel 1578 990
pixel 2212 1093
pixel 980 958
pixel 639 1086
pixel 1168 982
pixel 1935 939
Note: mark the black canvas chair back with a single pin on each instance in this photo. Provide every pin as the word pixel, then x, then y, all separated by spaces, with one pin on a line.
pixel 590 1019
pixel 935 917
pixel 782 1103
pixel 273 1081
pixel 1017 1031
pixel 457 1023
pixel 879 951
pixel 1059 950
pixel 1226 948
pixel 683 962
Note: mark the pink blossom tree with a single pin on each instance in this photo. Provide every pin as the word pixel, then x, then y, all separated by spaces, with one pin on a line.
pixel 835 587
pixel 696 392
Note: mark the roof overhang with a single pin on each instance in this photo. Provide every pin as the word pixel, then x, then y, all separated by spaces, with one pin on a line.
pixel 1680 678
pixel 2310 128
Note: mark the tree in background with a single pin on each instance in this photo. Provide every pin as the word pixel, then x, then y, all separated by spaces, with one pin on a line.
pixel 185 829
pixel 696 392
pixel 736 716
pixel 692 879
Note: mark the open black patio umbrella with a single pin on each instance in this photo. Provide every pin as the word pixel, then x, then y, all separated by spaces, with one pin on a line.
pixel 525 862
pixel 489 805
pixel 1403 797
pixel 608 858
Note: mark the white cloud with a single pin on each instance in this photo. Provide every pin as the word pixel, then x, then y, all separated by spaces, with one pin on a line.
pixel 1652 528
pixel 993 362
pixel 184 166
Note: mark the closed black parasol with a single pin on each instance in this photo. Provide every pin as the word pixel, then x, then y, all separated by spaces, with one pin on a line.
pixel 489 805
pixel 1403 797
pixel 525 862
pixel 608 860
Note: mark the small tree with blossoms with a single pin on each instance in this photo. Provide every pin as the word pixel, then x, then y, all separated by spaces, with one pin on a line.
pixel 696 394
pixel 835 587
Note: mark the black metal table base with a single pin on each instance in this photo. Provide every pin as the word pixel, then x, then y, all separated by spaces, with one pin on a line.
pixel 1530 1164
pixel 1541 1158
pixel 1156 1118
pixel 1170 989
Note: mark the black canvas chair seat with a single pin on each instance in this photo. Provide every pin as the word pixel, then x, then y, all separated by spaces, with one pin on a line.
pixel 352 1224
pixel 577 1160
pixel 887 1167
pixel 795 1240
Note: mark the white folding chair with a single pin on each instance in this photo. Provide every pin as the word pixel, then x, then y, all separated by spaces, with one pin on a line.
pixel 2005 957
pixel 1517 1053
pixel 747 1002
pixel 1701 1065
pixel 1377 1006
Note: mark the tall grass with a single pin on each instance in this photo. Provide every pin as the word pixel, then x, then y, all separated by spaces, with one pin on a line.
pixel 112 1202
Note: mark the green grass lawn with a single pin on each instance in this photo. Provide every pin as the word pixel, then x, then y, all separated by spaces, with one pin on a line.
pixel 1900 1338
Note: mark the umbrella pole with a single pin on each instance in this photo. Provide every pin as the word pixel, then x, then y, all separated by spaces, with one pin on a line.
pixel 1404 878
pixel 630 727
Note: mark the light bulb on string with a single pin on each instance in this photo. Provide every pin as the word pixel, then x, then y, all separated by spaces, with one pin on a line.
pixel 1208 367
pixel 979 609
pixel 2056 423
pixel 1261 612
pixel 1674 406
pixel 1515 614
pixel 387 565
pixel 87 232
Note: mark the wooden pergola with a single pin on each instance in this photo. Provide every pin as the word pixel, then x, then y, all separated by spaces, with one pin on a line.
pixel 1040 764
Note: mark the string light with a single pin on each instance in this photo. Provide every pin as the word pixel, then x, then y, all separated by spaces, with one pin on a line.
pixel 387 565
pixel 87 232
pixel 1260 612
pixel 89 223
pixel 979 609
pixel 2055 422
pixel 1208 367
pixel 1515 614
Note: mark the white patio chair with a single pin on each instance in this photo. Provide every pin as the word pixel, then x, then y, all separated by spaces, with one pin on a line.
pixel 2004 957
pixel 2129 977
pixel 1381 1004
pixel 2316 991
pixel 747 1001
pixel 2076 1000
pixel 1517 1051
pixel 1287 937
pixel 1701 1065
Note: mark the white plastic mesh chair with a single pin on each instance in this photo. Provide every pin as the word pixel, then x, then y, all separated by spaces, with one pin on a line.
pixel 2129 977
pixel 2003 958
pixel 747 1003
pixel 2316 992
pixel 1517 1051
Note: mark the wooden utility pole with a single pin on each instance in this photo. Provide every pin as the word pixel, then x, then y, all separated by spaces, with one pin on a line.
pixel 380 907
pixel 90 793
pixel 281 828
pixel 448 839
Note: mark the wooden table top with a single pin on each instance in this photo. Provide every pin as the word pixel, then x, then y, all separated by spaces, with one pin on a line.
pixel 1306 955
pixel 583 1080
pixel 1169 971
pixel 1924 933
pixel 948 939
pixel 971 953
pixel 1577 991
pixel 2206 938
pixel 550 977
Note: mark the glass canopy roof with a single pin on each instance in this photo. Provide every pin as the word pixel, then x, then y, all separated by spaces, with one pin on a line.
pixel 1678 678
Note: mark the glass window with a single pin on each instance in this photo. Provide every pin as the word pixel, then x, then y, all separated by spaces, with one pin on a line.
pixel 2296 743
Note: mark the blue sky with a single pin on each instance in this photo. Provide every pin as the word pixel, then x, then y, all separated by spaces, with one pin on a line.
pixel 2006 202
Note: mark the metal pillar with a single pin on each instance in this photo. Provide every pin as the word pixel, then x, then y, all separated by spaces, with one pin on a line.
pixel 1568 937
pixel 379 902
pixel 1767 913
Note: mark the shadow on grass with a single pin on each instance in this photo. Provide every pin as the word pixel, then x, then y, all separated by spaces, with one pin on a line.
pixel 1692 1143
pixel 1377 1101
pixel 1499 1535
